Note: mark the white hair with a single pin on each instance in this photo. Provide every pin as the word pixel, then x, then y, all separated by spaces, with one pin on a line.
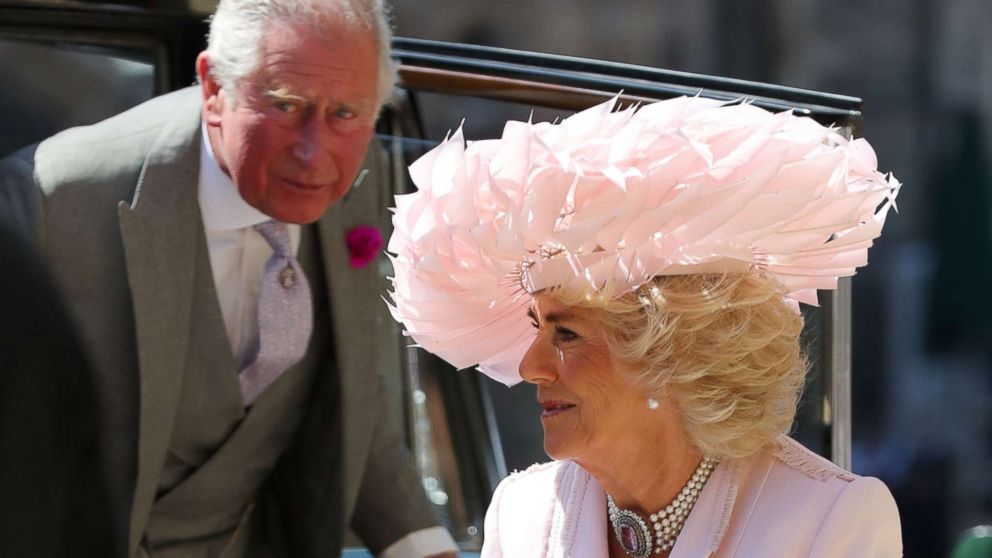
pixel 238 26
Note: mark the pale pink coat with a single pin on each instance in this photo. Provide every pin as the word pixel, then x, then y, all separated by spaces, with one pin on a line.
pixel 786 502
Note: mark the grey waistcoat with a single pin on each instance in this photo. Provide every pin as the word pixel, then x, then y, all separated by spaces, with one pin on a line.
pixel 220 454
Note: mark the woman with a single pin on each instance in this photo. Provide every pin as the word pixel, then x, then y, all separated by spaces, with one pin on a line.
pixel 660 255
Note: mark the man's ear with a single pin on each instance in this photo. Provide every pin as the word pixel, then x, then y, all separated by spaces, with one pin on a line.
pixel 213 95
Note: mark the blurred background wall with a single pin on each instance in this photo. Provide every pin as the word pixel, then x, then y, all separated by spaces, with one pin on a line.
pixel 922 357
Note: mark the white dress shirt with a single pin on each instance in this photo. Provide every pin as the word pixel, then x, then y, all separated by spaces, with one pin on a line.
pixel 238 254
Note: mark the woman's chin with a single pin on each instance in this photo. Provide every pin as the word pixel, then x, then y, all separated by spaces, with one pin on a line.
pixel 556 448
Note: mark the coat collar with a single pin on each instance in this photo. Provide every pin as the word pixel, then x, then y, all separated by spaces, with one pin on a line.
pixel 160 228
pixel 709 519
pixel 357 327
pixel 578 520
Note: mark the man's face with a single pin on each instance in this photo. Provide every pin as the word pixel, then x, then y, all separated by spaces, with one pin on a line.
pixel 296 135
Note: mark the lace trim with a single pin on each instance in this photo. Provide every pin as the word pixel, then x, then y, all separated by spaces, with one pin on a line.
pixel 534 467
pixel 570 489
pixel 552 519
pixel 576 500
pixel 812 465
pixel 728 493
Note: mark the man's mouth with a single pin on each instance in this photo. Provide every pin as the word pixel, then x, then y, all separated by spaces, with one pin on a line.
pixel 552 407
pixel 303 185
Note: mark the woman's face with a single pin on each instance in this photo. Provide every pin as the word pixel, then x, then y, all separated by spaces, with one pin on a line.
pixel 587 403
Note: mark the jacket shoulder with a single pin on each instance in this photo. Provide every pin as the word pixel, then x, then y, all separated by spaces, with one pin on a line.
pixel 537 469
pixel 518 520
pixel 112 151
pixel 863 522
pixel 538 478
pixel 816 506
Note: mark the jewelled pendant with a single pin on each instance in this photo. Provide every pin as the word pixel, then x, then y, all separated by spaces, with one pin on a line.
pixel 287 277
pixel 632 533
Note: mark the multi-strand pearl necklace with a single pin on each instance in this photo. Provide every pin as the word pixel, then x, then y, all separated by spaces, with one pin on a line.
pixel 635 535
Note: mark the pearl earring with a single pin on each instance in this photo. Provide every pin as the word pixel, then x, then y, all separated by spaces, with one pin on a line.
pixel 653 404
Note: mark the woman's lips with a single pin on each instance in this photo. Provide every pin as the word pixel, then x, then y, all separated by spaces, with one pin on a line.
pixel 552 407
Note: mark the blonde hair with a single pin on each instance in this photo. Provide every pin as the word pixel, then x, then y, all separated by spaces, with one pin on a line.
pixel 726 348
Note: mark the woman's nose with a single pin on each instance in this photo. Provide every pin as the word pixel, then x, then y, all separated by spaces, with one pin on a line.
pixel 538 365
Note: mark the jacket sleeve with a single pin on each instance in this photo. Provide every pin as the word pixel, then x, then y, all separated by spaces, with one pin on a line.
pixel 19 195
pixel 863 523
pixel 391 500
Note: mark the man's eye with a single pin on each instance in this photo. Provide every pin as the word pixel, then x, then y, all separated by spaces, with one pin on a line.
pixel 286 106
pixel 344 113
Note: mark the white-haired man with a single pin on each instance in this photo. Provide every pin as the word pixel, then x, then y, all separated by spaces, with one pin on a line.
pixel 199 241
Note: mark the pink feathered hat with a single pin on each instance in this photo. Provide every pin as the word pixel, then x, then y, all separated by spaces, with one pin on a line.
pixel 604 197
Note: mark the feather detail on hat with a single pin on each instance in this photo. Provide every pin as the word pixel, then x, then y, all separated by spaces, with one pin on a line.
pixel 609 199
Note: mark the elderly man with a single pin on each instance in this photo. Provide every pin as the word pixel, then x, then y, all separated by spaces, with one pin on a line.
pixel 199 240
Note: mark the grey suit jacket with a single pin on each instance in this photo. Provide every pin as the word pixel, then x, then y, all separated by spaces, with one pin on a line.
pixel 115 211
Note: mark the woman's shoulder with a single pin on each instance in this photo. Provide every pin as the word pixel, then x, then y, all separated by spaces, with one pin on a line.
pixel 790 466
pixel 554 479
pixel 551 509
pixel 519 517
pixel 822 504
pixel 540 479
pixel 537 470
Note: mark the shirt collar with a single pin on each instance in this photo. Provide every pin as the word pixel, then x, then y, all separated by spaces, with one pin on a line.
pixel 221 204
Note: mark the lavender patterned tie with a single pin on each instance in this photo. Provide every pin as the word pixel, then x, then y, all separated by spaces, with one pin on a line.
pixel 285 316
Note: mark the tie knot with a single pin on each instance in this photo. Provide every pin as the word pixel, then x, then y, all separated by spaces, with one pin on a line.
pixel 277 235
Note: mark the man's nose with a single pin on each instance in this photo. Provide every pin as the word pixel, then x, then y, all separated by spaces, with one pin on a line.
pixel 314 143
pixel 539 365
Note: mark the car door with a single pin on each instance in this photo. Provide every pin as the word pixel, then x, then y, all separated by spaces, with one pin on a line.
pixel 66 64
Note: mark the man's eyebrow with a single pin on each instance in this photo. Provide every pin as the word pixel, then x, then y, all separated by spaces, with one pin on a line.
pixel 282 94
pixel 285 94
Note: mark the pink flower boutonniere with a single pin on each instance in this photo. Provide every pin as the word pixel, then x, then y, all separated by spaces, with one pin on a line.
pixel 364 243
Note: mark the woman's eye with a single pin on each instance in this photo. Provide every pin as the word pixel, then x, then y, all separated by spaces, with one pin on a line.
pixel 535 324
pixel 565 334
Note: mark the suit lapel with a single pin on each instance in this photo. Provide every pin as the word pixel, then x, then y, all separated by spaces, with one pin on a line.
pixel 708 522
pixel 364 338
pixel 160 230
pixel 349 291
